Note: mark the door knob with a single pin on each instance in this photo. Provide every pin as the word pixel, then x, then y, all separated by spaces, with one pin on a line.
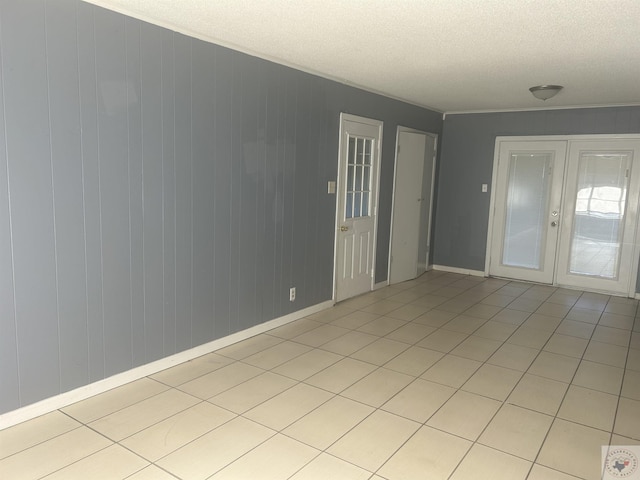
pixel 554 223
pixel 343 228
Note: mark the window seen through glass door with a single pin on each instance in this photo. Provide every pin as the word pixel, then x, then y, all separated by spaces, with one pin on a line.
pixel 358 190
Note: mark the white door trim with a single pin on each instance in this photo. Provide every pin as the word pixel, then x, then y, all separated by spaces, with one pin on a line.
pixel 346 117
pixel 492 205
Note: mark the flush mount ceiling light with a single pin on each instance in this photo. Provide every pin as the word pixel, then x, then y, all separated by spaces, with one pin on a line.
pixel 544 92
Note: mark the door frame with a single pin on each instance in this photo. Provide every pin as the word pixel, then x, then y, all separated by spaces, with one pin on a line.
pixel 633 280
pixel 431 178
pixel 374 201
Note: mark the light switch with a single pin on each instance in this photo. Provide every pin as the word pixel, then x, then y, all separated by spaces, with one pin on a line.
pixel 485 188
pixel 331 187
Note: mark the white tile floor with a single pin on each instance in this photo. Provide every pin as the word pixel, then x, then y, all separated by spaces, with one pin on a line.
pixel 444 377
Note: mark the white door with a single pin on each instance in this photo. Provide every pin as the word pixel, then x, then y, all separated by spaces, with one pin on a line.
pixel 357 205
pixel 413 189
pixel 566 213
pixel 600 214
pixel 527 199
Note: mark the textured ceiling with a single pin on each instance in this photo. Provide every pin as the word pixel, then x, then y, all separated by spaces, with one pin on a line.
pixel 449 55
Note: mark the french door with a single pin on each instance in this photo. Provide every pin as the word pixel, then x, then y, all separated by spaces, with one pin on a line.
pixel 566 212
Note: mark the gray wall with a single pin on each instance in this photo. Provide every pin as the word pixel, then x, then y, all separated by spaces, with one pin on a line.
pixel 157 192
pixel 466 161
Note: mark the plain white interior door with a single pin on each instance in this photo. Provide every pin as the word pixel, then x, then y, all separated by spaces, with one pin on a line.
pixel 600 215
pixel 407 202
pixel 357 205
pixel 528 195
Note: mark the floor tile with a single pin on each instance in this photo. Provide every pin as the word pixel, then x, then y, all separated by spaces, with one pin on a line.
pixel 575 328
pixel 195 368
pixel 419 400
pixel 414 361
pixel 293 329
pixel 628 418
pixel 517 431
pixel 408 312
pixel 354 320
pixel 616 321
pixel 151 473
pixel 382 326
pixel 553 309
pixel 584 315
pixel 464 324
pixel 598 376
pixel 482 311
pixel 476 348
pixel 248 347
pixel 320 335
pixel 606 353
pixel 631 385
pixel 434 318
pixel 327 423
pixel 113 400
pixel 135 418
pixel 547 323
pixel 554 366
pixel 277 458
pixel 529 337
pixel 592 302
pixel 614 336
pixel 429 453
pixel 380 351
pixel 526 304
pixel 167 436
pixel 307 364
pixel 377 387
pixel 411 333
pixel 621 308
pixel 452 371
pixel 492 381
pixel 513 356
pixel 287 407
pixel 465 415
pixel 485 462
pixel 370 444
pixel 218 381
pixel 325 467
pixel 341 375
pixel 442 340
pixel 382 307
pixel 231 440
pixel 276 355
pixel 538 472
pixel 30 433
pixel 539 394
pixel 253 392
pixel 633 360
pixel 571 448
pixel 495 330
pixel 349 343
pixel 498 300
pixel 111 463
pixel 52 455
pixel 589 407
pixel 566 345
pixel 511 316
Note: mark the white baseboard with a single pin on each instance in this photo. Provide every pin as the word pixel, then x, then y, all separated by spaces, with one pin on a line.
pixel 81 393
pixel 462 271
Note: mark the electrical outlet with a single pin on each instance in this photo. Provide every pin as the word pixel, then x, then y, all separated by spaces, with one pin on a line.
pixel 292 294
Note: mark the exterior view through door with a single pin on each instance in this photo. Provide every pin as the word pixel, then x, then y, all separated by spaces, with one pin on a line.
pixel 565 212
pixel 357 205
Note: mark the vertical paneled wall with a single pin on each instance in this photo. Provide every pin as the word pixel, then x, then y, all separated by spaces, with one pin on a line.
pixel 462 213
pixel 157 192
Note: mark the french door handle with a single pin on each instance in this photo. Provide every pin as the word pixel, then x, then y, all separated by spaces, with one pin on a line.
pixel 343 228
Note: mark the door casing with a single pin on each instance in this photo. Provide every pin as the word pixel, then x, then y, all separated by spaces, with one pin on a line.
pixel 635 256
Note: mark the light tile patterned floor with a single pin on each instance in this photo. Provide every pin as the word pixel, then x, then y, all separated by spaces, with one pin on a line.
pixel 444 377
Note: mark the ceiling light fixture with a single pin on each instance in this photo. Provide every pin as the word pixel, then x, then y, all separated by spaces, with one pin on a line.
pixel 544 92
